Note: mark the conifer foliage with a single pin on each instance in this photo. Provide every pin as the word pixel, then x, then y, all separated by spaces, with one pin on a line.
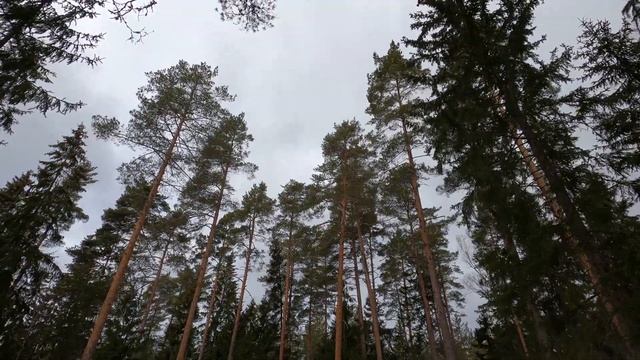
pixel 359 262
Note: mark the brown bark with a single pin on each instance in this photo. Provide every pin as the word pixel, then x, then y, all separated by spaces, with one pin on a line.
pixel 436 287
pixel 423 293
pixel 186 332
pixel 118 278
pixel 408 319
pixel 212 302
pixel 564 211
pixel 340 279
pixel 371 291
pixel 243 287
pixel 285 311
pixel 520 333
pixel 441 310
pixel 152 291
pixel 356 276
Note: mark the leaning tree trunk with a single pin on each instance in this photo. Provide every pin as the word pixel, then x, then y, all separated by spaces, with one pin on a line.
pixel 423 292
pixel 356 276
pixel 562 207
pixel 340 278
pixel 152 292
pixel 186 332
pixel 371 292
pixel 212 302
pixel 118 278
pixel 247 262
pixel 436 287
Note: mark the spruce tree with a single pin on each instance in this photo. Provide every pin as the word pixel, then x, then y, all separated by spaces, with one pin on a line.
pixel 36 209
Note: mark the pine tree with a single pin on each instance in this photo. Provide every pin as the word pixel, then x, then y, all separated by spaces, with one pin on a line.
pixel 392 93
pixel 176 106
pixel 256 209
pixel 340 149
pixel 223 154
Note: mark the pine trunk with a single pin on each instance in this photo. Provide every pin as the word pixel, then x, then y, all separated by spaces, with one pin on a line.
pixel 340 278
pixel 436 287
pixel 186 332
pixel 371 291
pixel 245 274
pixel 575 231
pixel 423 293
pixel 356 276
pixel 118 278
pixel 152 292
pixel 212 302
pixel 284 318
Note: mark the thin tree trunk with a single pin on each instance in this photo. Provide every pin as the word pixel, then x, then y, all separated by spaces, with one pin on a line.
pixel 520 333
pixel 372 256
pixel 152 291
pixel 436 287
pixel 212 301
pixel 441 310
pixel 356 276
pixel 309 339
pixel 186 332
pixel 371 291
pixel 247 262
pixel 340 279
pixel 564 211
pixel 423 293
pixel 284 318
pixel 408 319
pixel 118 278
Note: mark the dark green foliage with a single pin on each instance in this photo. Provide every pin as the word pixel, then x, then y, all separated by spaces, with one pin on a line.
pixel 35 210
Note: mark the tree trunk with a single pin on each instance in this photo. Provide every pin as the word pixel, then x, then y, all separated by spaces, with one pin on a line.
pixel 340 279
pixel 372 256
pixel 371 291
pixel 575 232
pixel 212 301
pixel 152 292
pixel 408 319
pixel 436 287
pixel 423 293
pixel 118 278
pixel 186 332
pixel 520 333
pixel 284 318
pixel 247 262
pixel 356 276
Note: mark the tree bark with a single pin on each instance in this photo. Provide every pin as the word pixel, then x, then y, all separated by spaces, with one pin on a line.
pixel 356 276
pixel 563 209
pixel 340 279
pixel 212 301
pixel 152 291
pixel 436 287
pixel 371 291
pixel 186 333
pixel 520 333
pixel 118 278
pixel 423 292
pixel 284 318
pixel 247 262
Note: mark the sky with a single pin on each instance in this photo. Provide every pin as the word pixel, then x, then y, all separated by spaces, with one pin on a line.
pixel 293 81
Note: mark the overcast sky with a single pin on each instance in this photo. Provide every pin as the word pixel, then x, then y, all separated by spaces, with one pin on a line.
pixel 293 81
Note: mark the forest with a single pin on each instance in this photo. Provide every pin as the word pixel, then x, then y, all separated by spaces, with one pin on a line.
pixel 355 262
